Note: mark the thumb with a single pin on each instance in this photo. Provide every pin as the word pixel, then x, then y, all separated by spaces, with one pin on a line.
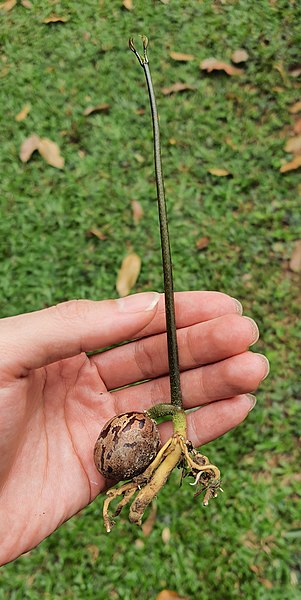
pixel 32 340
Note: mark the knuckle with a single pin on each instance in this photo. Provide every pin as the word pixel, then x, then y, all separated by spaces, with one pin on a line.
pixel 72 309
pixel 191 345
pixel 232 376
pixel 144 359
pixel 224 328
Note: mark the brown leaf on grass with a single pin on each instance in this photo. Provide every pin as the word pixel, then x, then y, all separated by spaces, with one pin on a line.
pixel 28 147
pixel 177 87
pixel 137 211
pixel 219 172
pixel 166 535
pixel 202 243
pixel 23 113
pixel 295 260
pixel 229 142
pixel 26 4
pixel 240 55
pixel 98 233
pixel 292 165
pixel 140 111
pixel 51 153
pixel 139 158
pixel 295 69
pixel 293 145
pixel 55 19
pixel 4 72
pixel 266 583
pixel 103 107
pixel 295 108
pixel 181 57
pixel 212 64
pixel 128 274
pixel 297 126
pixel 282 71
pixel 169 595
pixel 7 6
pixel 148 525
pixel 93 550
pixel 128 4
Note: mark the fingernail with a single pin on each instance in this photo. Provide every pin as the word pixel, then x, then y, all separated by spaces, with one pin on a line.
pixel 255 330
pixel 252 400
pixel 266 364
pixel 238 306
pixel 138 302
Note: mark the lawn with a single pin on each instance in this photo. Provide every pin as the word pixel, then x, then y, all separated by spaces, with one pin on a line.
pixel 246 543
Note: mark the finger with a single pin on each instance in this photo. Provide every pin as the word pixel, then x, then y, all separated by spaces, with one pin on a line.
pixel 239 374
pixel 35 339
pixel 194 307
pixel 213 420
pixel 199 344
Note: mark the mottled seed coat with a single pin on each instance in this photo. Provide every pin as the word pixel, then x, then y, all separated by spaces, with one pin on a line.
pixel 126 445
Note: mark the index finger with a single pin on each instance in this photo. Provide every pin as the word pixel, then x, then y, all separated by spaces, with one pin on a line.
pixel 191 308
pixel 119 366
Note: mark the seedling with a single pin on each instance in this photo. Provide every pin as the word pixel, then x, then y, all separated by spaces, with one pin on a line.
pixel 127 447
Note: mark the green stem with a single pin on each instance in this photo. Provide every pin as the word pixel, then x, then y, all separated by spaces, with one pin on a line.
pixel 173 357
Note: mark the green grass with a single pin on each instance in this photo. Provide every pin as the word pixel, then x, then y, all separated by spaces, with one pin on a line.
pixel 246 544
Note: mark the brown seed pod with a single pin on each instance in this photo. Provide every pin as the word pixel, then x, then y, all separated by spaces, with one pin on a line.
pixel 126 445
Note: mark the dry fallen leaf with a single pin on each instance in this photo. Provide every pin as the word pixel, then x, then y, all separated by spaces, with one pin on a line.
pixel 212 64
pixel 240 55
pixel 137 211
pixel 295 70
pixel 292 165
pixel 104 107
pixel 23 113
pixel 148 525
pixel 180 56
pixel 293 145
pixel 229 142
pixel 283 73
pixel 98 233
pixel 26 4
pixel 128 274
pixel 4 72
pixel 93 550
pixel 176 87
pixel 169 595
pixel 219 172
pixel 166 535
pixel 128 4
pixel 51 153
pixel 266 583
pixel 295 108
pixel 295 261
pixel 202 243
pixel 297 126
pixel 7 6
pixel 55 19
pixel 139 158
pixel 28 147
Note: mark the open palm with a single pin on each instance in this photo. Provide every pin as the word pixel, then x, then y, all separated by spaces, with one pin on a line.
pixel 54 399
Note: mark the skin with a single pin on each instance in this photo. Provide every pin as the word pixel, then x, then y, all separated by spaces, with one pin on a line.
pixel 54 400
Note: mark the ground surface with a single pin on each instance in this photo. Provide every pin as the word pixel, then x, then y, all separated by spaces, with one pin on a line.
pixel 246 543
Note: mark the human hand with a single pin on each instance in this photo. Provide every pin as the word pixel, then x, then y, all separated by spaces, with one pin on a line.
pixel 54 400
